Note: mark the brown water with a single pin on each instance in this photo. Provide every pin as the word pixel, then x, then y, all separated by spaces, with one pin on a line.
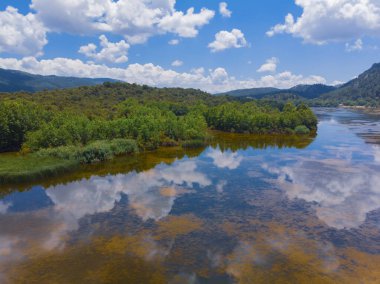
pixel 246 209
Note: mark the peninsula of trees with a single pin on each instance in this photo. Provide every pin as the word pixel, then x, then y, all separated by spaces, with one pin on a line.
pixel 89 124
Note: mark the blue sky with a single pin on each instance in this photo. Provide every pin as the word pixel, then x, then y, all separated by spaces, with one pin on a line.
pixel 323 41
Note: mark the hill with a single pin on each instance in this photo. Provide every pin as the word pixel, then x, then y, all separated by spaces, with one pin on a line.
pixel 311 91
pixel 361 91
pixel 255 92
pixel 17 81
pixel 299 91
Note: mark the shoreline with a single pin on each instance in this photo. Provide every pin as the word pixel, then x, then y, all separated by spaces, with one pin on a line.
pixel 58 167
pixel 368 110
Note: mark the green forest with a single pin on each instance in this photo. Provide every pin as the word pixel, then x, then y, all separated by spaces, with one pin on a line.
pixel 91 124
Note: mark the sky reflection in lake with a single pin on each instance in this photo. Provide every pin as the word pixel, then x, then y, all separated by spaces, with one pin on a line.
pixel 231 214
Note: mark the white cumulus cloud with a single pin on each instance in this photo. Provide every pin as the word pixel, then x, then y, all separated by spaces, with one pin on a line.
pixel 113 52
pixel 324 21
pixel 174 42
pixel 356 46
pixel 136 20
pixel 21 34
pixel 226 39
pixel 177 63
pixel 269 66
pixel 213 80
pixel 223 10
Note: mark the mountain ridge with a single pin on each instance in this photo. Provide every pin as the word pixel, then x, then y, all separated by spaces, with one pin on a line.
pixel 303 91
pixel 20 81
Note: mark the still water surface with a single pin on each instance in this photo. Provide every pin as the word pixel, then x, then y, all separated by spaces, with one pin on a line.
pixel 244 210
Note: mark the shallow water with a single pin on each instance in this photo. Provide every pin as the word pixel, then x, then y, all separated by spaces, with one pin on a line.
pixel 244 210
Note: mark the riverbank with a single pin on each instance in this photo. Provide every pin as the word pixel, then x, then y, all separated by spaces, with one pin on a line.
pixel 16 168
pixel 58 165
pixel 368 110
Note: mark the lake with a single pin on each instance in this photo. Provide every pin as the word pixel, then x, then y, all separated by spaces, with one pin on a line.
pixel 246 209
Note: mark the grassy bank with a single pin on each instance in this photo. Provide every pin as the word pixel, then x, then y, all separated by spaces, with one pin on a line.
pixel 16 168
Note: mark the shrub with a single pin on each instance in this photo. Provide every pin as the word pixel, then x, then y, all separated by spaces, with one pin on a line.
pixel 167 142
pixel 97 151
pixel 302 129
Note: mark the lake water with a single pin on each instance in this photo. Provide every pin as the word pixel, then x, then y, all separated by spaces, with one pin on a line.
pixel 245 210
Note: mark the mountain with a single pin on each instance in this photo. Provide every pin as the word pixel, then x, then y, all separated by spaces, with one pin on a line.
pixel 300 91
pixel 16 81
pixel 311 91
pixel 363 90
pixel 255 92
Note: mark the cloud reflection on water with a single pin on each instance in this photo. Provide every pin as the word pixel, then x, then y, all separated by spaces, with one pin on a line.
pixel 151 194
pixel 225 160
pixel 345 193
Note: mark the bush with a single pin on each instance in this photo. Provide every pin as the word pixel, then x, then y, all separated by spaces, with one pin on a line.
pixel 167 142
pixel 302 130
pixel 97 151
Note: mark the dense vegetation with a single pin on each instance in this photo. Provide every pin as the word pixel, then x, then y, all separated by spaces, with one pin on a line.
pixel 250 118
pixel 91 124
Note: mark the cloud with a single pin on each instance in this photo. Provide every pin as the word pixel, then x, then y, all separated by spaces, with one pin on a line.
pixel 177 63
pixel 229 160
pixel 269 66
pixel 215 80
pixel 223 10
pixel 136 20
pixel 185 25
pixel 21 34
pixel 225 40
pixel 110 52
pixel 356 46
pixel 324 21
pixel 174 42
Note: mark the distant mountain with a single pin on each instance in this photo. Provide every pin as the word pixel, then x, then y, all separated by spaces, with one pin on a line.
pixel 300 91
pixel 363 90
pixel 16 81
pixel 311 91
pixel 254 93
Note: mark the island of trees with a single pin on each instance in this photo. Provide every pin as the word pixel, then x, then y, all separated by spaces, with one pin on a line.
pixel 59 129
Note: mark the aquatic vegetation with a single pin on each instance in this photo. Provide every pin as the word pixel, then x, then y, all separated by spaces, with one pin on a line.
pixel 96 151
pixel 19 168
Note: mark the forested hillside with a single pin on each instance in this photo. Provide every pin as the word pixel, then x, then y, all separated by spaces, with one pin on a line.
pixel 299 91
pixel 362 91
pixel 16 81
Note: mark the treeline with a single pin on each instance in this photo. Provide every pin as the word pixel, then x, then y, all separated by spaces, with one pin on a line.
pixel 150 117
pixel 250 118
